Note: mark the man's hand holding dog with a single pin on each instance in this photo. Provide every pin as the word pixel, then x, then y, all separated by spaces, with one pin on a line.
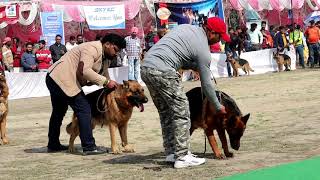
pixel 222 111
pixel 110 84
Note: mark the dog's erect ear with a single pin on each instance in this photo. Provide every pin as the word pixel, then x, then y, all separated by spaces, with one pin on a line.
pixel 245 118
pixel 126 84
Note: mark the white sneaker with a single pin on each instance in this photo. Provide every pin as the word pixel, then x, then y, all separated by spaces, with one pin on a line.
pixel 188 160
pixel 170 158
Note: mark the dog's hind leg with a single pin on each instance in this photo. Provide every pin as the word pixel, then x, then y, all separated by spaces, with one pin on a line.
pixel 213 143
pixel 73 130
pixel 224 142
pixel 3 125
pixel 124 138
pixel 114 147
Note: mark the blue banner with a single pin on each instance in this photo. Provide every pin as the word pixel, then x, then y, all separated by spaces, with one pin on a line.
pixel 171 14
pixel 52 25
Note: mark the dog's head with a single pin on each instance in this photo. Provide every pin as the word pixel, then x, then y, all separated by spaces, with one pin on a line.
pixel 134 93
pixel 276 55
pixel 235 126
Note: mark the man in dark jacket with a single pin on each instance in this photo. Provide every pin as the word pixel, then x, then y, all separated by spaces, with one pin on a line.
pixel 57 49
pixel 281 42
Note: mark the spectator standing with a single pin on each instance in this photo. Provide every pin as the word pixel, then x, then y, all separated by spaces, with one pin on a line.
pixel 72 43
pixel 296 38
pixel 57 49
pixel 43 56
pixel 28 59
pixel 281 42
pixel 7 56
pixel 79 39
pixel 313 35
pixel 133 48
pixel 255 37
pixel 17 51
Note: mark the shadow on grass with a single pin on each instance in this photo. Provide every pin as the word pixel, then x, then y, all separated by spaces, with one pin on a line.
pixel 155 162
pixel 78 150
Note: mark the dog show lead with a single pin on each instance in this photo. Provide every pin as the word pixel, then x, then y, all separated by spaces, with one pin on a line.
pixel 83 64
pixel 185 47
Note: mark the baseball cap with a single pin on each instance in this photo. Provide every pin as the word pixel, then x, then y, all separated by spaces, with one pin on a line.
pixel 217 25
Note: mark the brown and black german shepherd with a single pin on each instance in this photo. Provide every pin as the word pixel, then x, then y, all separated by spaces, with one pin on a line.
pixel 4 93
pixel 239 63
pixel 202 114
pixel 282 60
pixel 114 109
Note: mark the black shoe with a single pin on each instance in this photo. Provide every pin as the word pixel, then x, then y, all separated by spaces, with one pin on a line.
pixel 57 148
pixel 95 151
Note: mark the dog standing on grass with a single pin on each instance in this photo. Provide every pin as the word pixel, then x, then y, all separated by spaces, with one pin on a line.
pixel 4 93
pixel 282 60
pixel 202 114
pixel 239 63
pixel 113 109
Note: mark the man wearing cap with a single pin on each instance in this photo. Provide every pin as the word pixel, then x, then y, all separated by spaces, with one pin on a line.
pixel 7 55
pixel 133 50
pixel 185 47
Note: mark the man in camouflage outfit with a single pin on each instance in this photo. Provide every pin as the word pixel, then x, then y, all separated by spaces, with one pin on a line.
pixel 185 47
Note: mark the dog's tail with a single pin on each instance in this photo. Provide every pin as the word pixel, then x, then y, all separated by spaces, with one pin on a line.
pixel 69 126
pixel 250 69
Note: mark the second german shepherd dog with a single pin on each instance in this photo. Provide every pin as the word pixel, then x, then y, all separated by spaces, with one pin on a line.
pixel 239 63
pixel 117 110
pixel 202 114
pixel 282 60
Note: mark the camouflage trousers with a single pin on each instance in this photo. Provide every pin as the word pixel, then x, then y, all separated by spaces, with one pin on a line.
pixel 173 106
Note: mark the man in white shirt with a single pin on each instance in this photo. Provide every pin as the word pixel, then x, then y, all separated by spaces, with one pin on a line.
pixel 72 43
pixel 256 37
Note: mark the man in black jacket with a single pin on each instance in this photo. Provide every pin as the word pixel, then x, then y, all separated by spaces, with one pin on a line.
pixel 57 49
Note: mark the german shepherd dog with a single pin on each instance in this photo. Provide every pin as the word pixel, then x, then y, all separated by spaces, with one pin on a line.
pixel 117 107
pixel 239 63
pixel 4 93
pixel 282 60
pixel 202 114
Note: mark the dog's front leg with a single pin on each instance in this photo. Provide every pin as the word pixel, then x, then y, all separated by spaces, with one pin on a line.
pixel 224 142
pixel 114 147
pixel 124 139
pixel 4 131
pixel 213 143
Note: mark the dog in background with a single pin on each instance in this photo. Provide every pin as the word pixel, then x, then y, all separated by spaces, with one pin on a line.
pixel 282 60
pixel 113 109
pixel 4 93
pixel 202 114
pixel 239 63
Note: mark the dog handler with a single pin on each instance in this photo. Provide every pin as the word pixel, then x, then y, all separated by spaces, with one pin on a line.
pixel 185 47
pixel 79 66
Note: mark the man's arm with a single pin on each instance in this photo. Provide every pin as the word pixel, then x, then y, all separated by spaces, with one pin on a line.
pixel 203 59
pixel 87 58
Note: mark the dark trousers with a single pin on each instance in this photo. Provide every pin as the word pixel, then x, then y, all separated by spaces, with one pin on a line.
pixel 81 108
pixel 299 51
pixel 314 53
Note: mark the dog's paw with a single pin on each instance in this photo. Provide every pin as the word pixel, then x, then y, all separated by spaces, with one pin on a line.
pixel 219 156
pixel 116 151
pixel 128 148
pixel 71 149
pixel 229 154
pixel 5 141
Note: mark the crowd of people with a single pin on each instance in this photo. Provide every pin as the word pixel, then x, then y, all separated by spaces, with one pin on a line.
pixel 36 56
pixel 33 55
